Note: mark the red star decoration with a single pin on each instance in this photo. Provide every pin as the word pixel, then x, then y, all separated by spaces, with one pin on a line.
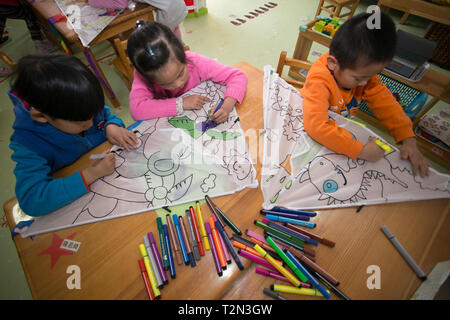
pixel 55 251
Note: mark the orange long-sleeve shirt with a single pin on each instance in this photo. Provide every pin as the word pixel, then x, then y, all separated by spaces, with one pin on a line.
pixel 321 93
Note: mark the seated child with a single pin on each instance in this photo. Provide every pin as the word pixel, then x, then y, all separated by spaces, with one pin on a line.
pixel 60 115
pixel 339 79
pixel 164 71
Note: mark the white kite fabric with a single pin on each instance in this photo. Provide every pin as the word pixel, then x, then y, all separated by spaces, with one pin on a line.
pixel 174 163
pixel 299 173
pixel 85 20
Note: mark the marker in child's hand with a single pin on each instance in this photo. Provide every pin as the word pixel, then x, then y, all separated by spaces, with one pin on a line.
pixel 97 156
pixel 383 146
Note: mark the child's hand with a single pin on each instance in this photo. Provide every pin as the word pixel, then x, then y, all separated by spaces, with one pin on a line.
pixel 222 114
pixel 194 102
pixel 99 168
pixel 408 150
pixel 371 151
pixel 121 137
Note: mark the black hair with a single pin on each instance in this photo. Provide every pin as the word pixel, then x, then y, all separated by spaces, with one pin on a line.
pixel 58 85
pixel 357 42
pixel 150 46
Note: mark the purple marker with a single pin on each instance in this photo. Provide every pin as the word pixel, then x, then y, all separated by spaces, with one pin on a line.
pixel 252 234
pixel 213 249
pixel 277 276
pixel 157 257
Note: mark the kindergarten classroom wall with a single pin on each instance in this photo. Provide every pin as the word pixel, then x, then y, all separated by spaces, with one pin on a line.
pixel 258 41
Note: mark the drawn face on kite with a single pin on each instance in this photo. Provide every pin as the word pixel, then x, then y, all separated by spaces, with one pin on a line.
pixel 333 181
pixel 242 168
pixel 238 165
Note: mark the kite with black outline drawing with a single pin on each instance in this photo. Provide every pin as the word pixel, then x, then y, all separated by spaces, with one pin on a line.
pixel 299 173
pixel 174 163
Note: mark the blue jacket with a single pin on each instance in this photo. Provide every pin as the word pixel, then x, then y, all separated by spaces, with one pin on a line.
pixel 40 149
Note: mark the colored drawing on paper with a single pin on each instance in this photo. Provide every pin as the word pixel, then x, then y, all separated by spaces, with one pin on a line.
pixel 301 174
pixel 86 21
pixel 174 163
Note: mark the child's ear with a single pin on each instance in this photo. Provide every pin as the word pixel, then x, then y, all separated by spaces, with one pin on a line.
pixel 332 62
pixel 38 116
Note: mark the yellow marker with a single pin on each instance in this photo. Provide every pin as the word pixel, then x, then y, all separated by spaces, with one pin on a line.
pixel 150 272
pixel 202 226
pixel 383 146
pixel 292 279
pixel 359 123
pixel 289 289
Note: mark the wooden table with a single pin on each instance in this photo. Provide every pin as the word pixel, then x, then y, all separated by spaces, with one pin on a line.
pixel 63 34
pixel 109 251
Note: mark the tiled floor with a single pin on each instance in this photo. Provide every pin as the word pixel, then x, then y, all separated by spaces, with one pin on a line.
pixel 258 41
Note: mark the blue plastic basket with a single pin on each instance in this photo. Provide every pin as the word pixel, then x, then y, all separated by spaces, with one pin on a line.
pixel 413 99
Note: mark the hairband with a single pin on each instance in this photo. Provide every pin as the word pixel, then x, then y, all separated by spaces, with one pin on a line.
pixel 140 23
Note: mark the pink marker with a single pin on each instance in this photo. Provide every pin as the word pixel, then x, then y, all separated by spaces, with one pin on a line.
pixel 277 276
pixel 256 259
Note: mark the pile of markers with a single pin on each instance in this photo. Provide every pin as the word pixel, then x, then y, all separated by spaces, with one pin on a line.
pixel 186 242
pixel 283 247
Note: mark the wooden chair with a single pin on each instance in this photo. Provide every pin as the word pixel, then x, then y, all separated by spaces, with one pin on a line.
pixel 6 59
pixel 294 63
pixel 123 63
pixel 335 7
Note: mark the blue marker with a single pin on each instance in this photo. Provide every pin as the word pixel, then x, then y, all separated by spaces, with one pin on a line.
pixel 286 215
pixel 229 245
pixel 300 212
pixel 293 233
pixel 314 282
pixel 293 221
pixel 169 251
pixel 180 239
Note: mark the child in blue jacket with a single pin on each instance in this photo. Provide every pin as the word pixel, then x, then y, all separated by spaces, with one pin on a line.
pixel 60 115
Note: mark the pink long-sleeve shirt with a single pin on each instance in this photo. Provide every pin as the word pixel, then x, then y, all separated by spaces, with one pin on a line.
pixel 144 106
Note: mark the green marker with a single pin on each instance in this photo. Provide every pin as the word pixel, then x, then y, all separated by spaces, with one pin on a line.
pixel 283 239
pixel 288 261
pixel 162 241
pixel 289 237
pixel 228 222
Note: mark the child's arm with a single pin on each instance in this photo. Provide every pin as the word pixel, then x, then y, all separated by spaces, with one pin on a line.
pixel 317 123
pixel 116 133
pixel 234 79
pixel 37 192
pixel 389 112
pixel 144 106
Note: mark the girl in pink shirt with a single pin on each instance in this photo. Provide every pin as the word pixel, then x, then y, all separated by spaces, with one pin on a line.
pixel 164 71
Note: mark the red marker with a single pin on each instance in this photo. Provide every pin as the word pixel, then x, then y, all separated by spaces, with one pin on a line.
pixel 198 238
pixel 145 277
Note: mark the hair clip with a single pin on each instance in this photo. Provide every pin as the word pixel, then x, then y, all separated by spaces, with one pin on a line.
pixel 140 23
pixel 150 52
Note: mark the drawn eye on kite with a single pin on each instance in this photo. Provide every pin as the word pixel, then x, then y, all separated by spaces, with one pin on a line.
pixel 330 186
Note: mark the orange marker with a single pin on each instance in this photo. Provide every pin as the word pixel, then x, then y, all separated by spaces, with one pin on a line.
pixel 242 246
pixel 198 238
pixel 218 244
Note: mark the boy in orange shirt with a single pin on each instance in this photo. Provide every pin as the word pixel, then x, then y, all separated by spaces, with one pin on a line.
pixel 339 79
